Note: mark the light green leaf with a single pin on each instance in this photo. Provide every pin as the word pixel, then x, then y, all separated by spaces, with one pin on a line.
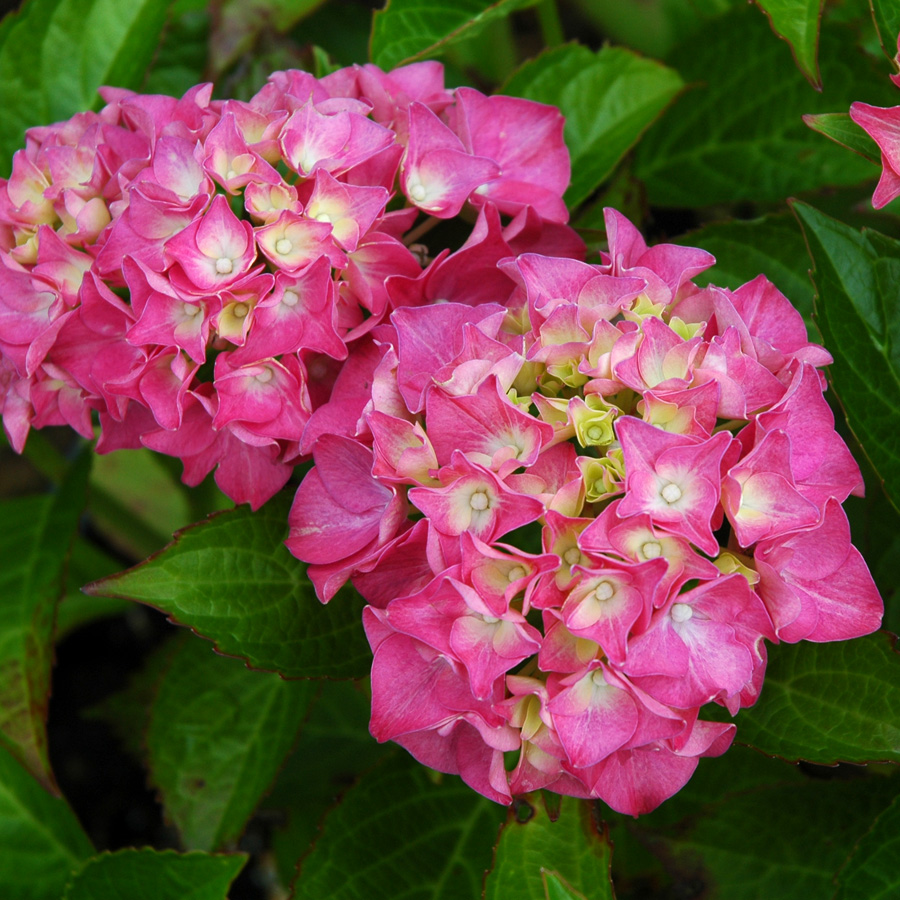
pixel 333 750
pixel 609 99
pixel 797 21
pixel 555 888
pixel 850 314
pixel 155 875
pixel 234 582
pixel 34 542
pixel 871 872
pixel 398 834
pixel 841 129
pixel 827 703
pixel 738 134
pixel 772 246
pixel 54 54
pixel 409 30
pixel 41 838
pixel 217 736
pixel 573 847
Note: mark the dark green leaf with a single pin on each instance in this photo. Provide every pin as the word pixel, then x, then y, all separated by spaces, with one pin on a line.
pixel 398 834
pixel 333 750
pixel 609 99
pixel 843 130
pixel 779 842
pixel 828 702
pixel 887 20
pixel 34 541
pixel 850 315
pixel 772 246
pixel 217 735
pixel 233 581
pixel 573 847
pixel 181 58
pixel 155 875
pixel 872 872
pixel 797 21
pixel 738 135
pixel 409 30
pixel 41 838
pixel 54 54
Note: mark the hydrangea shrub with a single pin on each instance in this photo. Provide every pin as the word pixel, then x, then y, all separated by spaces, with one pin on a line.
pixel 577 495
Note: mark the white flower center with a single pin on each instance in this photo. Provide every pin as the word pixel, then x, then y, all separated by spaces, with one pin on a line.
pixel 240 310
pixel 224 266
pixel 597 677
pixel 681 612
pixel 290 298
pixel 604 591
pixel 323 217
pixel 190 309
pixel 671 493
pixel 265 376
pixel 490 620
pixel 283 246
pixel 572 556
pixel 479 501
pixel 651 550
pixel 594 433
pixel 417 192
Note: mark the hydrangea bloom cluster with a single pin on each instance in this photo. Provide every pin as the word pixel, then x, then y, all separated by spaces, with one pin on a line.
pixel 193 270
pixel 577 512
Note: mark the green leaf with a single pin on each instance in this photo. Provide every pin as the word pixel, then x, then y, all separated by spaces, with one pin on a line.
pixel 333 750
pixel 398 834
pixel 841 129
pixel 772 246
pixel 779 842
pixel 609 99
pixel 850 315
pixel 871 872
pixel 556 889
pixel 41 838
pixel 54 54
pixel 573 847
pixel 887 21
pixel 34 542
pixel 234 582
pixel 409 30
pixel 155 875
pixel 827 703
pixel 739 135
pixel 797 21
pixel 218 733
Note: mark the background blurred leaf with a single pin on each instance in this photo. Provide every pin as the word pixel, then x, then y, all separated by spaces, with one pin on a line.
pixel 738 135
pixel 54 54
pixel 872 871
pixel 35 539
pixel 234 582
pixel 155 875
pixel 333 750
pixel 409 30
pixel 398 833
pixel 797 21
pixel 41 838
pixel 574 847
pixel 887 20
pixel 609 99
pixel 217 735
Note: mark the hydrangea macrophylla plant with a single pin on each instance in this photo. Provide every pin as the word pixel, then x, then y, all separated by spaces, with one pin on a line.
pixel 577 510
pixel 195 270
